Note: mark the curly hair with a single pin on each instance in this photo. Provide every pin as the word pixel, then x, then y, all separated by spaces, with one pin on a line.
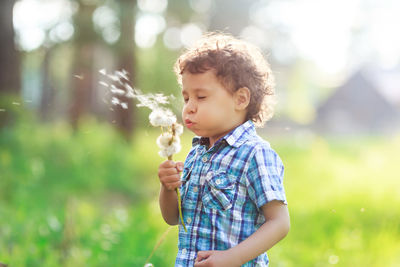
pixel 236 64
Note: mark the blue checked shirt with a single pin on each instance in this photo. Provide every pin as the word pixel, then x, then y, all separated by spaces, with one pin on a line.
pixel 223 189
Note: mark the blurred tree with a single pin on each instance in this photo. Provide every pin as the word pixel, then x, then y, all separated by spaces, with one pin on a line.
pixel 9 57
pixel 124 50
pixel 84 42
pixel 10 83
pixel 48 92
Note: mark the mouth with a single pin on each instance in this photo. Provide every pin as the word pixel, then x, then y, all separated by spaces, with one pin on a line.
pixel 189 123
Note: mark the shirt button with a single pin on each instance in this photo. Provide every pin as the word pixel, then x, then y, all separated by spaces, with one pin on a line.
pixel 188 220
pixel 184 251
pixel 218 181
pixel 204 159
pixel 195 189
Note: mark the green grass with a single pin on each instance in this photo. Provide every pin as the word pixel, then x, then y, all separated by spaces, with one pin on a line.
pixel 90 199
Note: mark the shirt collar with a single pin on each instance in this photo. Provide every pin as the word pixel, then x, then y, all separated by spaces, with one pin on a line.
pixel 234 138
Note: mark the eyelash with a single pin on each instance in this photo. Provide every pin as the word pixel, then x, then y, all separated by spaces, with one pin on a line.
pixel 199 97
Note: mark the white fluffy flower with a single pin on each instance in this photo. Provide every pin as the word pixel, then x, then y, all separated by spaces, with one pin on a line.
pixel 162 117
pixel 174 148
pixel 178 129
pixel 164 139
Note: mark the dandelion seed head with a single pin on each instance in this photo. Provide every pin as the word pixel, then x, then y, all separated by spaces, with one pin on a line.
pixel 178 129
pixel 165 138
pixel 148 265
pixel 162 118
pixel 170 150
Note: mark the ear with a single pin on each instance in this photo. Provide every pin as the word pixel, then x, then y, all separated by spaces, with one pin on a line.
pixel 242 98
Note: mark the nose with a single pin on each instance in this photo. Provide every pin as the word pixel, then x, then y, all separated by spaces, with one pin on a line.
pixel 190 107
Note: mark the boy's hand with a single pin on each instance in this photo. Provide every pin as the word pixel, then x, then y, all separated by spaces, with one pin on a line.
pixel 217 258
pixel 168 172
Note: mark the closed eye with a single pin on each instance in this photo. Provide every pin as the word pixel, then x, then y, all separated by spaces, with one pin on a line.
pixel 201 97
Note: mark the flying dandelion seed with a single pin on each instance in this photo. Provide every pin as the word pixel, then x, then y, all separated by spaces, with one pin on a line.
pixel 16 103
pixel 151 101
pixel 116 90
pixel 80 77
pixel 103 83
pixel 122 74
pixel 115 101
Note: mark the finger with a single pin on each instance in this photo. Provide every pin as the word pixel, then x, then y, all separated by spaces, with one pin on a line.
pixel 202 263
pixel 171 178
pixel 172 186
pixel 176 185
pixel 201 255
pixel 168 164
pixel 169 171
pixel 179 166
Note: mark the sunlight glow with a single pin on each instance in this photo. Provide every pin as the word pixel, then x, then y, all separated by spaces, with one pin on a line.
pixel 190 33
pixel 33 19
pixel 147 27
pixel 325 31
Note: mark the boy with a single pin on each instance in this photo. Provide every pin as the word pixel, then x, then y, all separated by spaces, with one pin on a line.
pixel 233 200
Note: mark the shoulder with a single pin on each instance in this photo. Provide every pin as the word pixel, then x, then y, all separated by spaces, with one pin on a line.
pixel 256 145
pixel 260 153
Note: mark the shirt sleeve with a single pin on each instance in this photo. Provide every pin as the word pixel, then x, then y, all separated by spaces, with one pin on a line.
pixel 265 177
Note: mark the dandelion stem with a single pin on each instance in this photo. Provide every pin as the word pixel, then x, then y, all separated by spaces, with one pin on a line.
pixel 179 203
pixel 180 208
pixel 177 189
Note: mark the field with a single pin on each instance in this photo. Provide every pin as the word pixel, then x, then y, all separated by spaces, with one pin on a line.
pixel 90 199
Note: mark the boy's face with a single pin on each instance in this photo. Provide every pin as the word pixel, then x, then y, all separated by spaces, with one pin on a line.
pixel 209 109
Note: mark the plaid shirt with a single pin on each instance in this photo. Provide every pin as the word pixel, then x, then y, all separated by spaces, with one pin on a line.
pixel 223 189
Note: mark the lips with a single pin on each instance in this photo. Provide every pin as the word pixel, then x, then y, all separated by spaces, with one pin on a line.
pixel 189 123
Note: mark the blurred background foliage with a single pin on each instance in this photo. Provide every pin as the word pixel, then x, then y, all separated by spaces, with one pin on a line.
pixel 78 177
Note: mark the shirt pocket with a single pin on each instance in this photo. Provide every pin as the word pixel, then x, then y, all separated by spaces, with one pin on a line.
pixel 187 171
pixel 219 190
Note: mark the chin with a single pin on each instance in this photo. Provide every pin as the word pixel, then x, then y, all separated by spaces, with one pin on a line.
pixel 199 132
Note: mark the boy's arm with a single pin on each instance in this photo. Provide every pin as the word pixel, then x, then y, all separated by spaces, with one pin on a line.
pixel 168 202
pixel 168 173
pixel 274 229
